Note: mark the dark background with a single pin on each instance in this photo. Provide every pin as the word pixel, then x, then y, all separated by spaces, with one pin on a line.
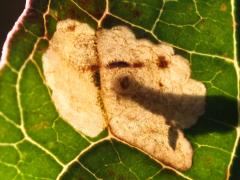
pixel 10 10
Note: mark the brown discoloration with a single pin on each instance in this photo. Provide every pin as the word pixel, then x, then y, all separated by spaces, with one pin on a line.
pixel 118 64
pixel 124 82
pixel 162 62
pixel 161 84
pixel 223 7
pixel 89 68
pixel 94 67
pixel 209 160
pixel 71 27
pixel 96 79
pixel 138 65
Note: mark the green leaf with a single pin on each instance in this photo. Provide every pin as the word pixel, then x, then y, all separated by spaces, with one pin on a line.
pixel 36 143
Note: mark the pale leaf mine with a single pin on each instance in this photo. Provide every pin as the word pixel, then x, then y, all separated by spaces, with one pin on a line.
pixel 146 89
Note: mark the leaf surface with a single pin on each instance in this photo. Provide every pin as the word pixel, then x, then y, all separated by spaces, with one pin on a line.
pixel 36 143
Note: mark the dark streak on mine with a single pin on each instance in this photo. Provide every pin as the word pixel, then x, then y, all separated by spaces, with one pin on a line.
pixel 118 64
pixel 138 65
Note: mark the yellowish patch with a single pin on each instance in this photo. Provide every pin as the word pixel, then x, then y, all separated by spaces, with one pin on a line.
pixel 146 89
pixel 40 126
pixel 223 7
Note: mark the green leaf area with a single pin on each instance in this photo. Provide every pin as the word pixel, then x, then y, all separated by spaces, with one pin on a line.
pixel 35 143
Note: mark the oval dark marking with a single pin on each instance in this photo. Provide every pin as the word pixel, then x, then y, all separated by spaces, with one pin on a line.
pixel 124 82
pixel 162 62
pixel 118 64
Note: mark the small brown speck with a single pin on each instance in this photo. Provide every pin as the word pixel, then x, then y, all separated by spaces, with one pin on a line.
pixel 160 84
pixel 162 62
pixel 71 28
pixel 223 7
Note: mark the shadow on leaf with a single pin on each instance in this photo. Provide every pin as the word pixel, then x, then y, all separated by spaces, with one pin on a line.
pixel 218 109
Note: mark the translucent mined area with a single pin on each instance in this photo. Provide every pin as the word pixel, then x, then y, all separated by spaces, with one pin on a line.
pixel 145 96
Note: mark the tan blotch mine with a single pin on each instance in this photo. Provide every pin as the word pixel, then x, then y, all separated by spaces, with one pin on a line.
pixel 146 89
pixel 71 50
pixel 147 106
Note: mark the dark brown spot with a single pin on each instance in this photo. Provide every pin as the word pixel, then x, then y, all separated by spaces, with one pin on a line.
pixel 208 159
pixel 124 82
pixel 96 79
pixel 160 84
pixel 137 65
pixel 162 62
pixel 94 67
pixel 71 28
pixel 118 64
